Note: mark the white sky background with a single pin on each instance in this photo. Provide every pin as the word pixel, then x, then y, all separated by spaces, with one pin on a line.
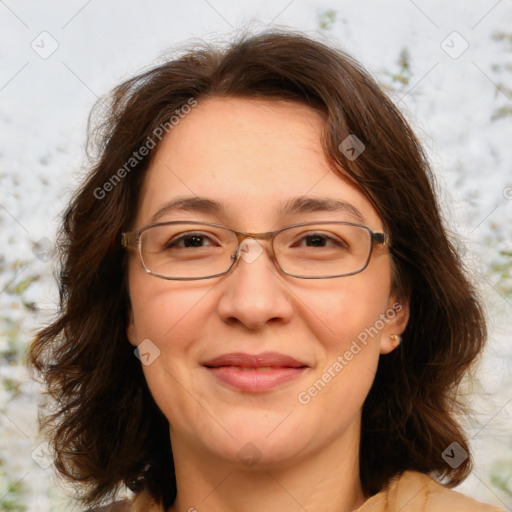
pixel 451 103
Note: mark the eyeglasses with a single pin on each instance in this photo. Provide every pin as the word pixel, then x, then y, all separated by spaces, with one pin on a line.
pixel 183 250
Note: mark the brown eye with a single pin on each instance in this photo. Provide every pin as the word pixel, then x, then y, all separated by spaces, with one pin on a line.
pixel 189 240
pixel 321 240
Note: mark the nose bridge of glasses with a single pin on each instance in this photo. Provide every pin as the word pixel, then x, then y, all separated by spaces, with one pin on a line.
pixel 248 251
pixel 243 235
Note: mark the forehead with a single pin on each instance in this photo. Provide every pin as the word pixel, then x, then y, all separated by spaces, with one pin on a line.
pixel 252 156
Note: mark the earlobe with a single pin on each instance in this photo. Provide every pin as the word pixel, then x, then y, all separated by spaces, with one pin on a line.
pixel 398 316
pixel 396 338
pixel 389 342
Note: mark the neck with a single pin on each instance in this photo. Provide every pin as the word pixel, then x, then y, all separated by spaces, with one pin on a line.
pixel 325 480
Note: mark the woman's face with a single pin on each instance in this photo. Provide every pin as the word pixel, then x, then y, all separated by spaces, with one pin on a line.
pixel 252 157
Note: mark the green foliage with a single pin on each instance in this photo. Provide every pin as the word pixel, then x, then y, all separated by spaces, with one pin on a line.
pixel 12 494
pixel 499 269
pixel 326 19
pixel 501 476
pixel 502 36
pixel 12 347
pixel 505 39
pixel 402 76
pixel 501 112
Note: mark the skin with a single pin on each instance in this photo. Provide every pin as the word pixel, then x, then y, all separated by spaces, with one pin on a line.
pixel 251 155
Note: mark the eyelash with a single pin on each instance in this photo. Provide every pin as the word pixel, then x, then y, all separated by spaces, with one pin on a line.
pixel 184 236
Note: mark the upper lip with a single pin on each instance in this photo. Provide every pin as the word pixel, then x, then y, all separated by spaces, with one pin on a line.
pixel 272 359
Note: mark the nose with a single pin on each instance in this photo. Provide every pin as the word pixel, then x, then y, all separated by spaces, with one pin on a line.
pixel 254 292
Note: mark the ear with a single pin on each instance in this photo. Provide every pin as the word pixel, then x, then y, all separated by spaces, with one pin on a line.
pixel 395 319
pixel 131 331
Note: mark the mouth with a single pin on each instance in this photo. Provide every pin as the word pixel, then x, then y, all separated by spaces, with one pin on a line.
pixel 255 373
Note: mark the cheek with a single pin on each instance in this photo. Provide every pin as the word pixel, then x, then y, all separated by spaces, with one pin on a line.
pixel 349 352
pixel 170 315
pixel 339 316
pixel 164 310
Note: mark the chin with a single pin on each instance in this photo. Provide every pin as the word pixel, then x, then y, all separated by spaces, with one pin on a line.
pixel 263 452
pixel 260 440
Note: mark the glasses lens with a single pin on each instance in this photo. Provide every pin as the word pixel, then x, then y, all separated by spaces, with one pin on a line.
pixel 323 250
pixel 187 250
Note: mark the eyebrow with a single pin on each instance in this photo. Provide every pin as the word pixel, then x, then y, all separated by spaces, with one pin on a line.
pixel 291 206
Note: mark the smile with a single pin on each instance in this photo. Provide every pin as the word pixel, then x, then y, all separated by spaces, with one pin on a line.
pixel 255 373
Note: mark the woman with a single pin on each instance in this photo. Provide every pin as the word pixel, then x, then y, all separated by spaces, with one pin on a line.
pixel 260 307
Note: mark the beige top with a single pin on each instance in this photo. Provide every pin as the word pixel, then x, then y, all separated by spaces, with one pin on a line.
pixel 412 492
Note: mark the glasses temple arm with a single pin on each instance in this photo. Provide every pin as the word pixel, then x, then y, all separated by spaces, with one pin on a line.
pixel 129 239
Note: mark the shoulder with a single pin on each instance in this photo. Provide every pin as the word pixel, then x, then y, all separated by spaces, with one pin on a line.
pixel 422 490
pixel 418 492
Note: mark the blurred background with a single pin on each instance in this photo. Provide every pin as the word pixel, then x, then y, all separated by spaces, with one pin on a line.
pixel 448 67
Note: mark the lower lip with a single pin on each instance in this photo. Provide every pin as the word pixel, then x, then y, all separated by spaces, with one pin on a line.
pixel 256 381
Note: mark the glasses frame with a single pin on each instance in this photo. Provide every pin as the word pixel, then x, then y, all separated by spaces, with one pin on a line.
pixel 132 240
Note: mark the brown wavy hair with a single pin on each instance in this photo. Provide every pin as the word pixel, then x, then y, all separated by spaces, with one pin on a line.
pixel 104 425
